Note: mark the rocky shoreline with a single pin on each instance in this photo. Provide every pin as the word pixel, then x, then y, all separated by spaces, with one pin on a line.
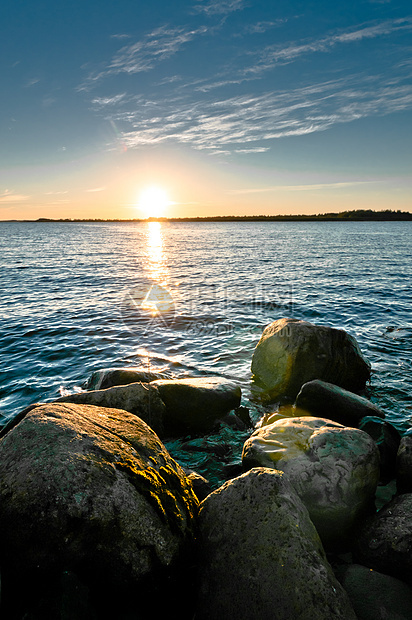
pixel 99 521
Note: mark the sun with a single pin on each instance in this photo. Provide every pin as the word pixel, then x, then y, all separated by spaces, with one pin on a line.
pixel 153 201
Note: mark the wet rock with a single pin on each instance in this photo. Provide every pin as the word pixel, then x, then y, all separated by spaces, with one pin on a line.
pixel 194 405
pixel 109 377
pixel 404 465
pixel 387 438
pixel 375 596
pixel 260 555
pixel 333 468
pixel 385 541
pixel 292 352
pixel 141 399
pixel 284 412
pixel 93 490
pixel 325 400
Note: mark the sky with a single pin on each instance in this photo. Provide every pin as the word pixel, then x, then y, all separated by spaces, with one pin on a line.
pixel 218 107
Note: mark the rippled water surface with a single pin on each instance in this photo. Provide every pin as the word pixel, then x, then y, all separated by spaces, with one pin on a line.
pixel 71 302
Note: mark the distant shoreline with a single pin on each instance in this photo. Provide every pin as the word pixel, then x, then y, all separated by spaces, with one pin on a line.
pixel 345 216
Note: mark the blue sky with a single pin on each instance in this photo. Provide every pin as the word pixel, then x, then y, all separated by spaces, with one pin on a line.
pixel 230 106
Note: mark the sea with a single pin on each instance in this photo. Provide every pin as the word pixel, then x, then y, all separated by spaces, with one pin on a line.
pixel 191 299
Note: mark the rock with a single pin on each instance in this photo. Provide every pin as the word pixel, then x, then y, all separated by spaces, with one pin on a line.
pixel 387 438
pixel 201 486
pixel 109 377
pixel 384 542
pixel 292 352
pixel 93 491
pixel 404 465
pixel 260 555
pixel 375 596
pixel 325 400
pixel 141 399
pixel 194 405
pixel 384 494
pixel 334 469
pixel 284 412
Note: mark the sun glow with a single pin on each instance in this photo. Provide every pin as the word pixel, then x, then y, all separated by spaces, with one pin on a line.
pixel 153 202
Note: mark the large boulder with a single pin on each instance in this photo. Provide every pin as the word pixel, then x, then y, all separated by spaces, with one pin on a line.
pixel 385 541
pixel 109 377
pixel 333 468
pixel 260 555
pixel 93 491
pixel 325 400
pixel 375 596
pixel 194 405
pixel 292 352
pixel 141 399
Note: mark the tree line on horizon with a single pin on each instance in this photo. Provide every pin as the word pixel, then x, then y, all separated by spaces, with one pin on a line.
pixel 355 215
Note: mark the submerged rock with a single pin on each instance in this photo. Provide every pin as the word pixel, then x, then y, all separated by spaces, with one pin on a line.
pixel 325 400
pixel 93 490
pixel 334 469
pixel 292 352
pixel 194 405
pixel 141 399
pixel 109 377
pixel 376 596
pixel 385 541
pixel 260 555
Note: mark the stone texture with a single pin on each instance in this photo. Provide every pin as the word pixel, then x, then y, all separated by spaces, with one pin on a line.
pixel 375 596
pixel 333 468
pixel 385 541
pixel 292 352
pixel 404 465
pixel 109 377
pixel 194 405
pixel 93 490
pixel 260 555
pixel 141 399
pixel 325 400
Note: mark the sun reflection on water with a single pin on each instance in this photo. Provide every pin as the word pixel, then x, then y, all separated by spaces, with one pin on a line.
pixel 156 263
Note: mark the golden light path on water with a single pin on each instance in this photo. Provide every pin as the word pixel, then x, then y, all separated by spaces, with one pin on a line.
pixel 157 300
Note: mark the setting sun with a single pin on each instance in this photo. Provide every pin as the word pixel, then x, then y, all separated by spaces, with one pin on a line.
pixel 153 202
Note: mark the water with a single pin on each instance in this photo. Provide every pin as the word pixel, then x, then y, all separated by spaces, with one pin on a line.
pixel 68 294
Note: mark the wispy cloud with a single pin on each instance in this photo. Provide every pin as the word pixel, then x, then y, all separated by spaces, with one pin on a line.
pixel 108 101
pixel 219 7
pixel 298 188
pixel 233 124
pixel 281 54
pixel 9 196
pixel 96 189
pixel 145 54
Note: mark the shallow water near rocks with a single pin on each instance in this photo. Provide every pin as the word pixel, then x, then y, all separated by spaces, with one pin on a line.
pixel 77 297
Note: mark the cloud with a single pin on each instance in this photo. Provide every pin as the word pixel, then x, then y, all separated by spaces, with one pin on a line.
pixel 145 54
pixel 9 197
pixel 243 122
pixel 219 7
pixel 277 54
pixel 253 149
pixel 298 188
pixel 96 189
pixel 108 101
